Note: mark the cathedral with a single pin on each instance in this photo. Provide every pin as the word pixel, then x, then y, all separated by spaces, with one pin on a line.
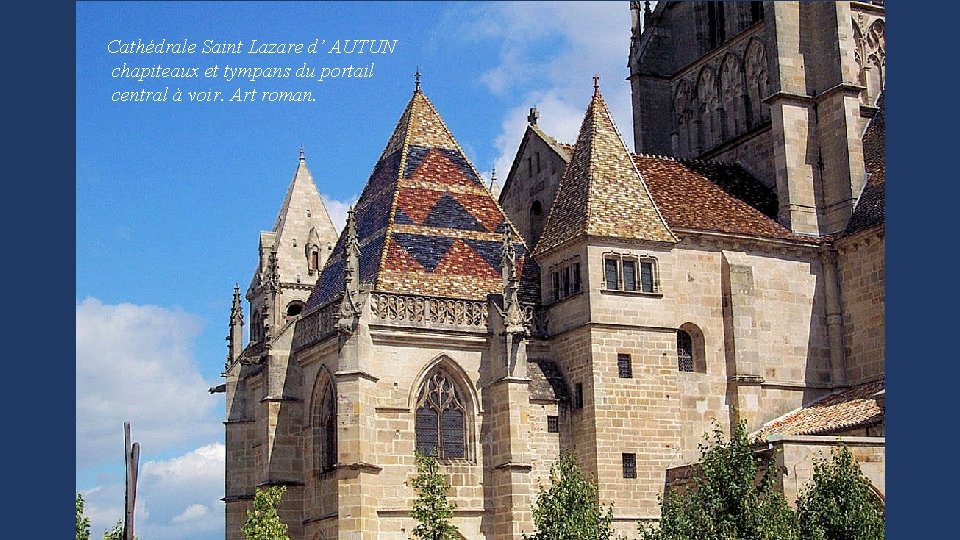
pixel 610 304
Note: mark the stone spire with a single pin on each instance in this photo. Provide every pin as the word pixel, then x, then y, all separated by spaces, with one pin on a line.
pixel 235 338
pixel 350 305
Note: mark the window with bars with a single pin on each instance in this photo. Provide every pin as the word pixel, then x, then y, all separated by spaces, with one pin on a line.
pixel 624 366
pixel 684 351
pixel 553 424
pixel 441 428
pixel 631 274
pixel 629 465
pixel 325 429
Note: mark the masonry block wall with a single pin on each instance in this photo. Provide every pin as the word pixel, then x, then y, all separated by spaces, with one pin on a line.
pixel 862 285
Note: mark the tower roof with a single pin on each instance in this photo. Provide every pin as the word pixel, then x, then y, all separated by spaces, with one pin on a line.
pixel 425 222
pixel 303 192
pixel 601 193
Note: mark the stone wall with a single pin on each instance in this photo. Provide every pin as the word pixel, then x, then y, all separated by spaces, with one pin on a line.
pixel 863 289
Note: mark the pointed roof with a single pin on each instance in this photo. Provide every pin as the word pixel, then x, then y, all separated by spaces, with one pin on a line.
pixel 426 223
pixel 601 193
pixel 303 192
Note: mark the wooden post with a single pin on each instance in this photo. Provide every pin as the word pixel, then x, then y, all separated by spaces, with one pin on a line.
pixel 132 460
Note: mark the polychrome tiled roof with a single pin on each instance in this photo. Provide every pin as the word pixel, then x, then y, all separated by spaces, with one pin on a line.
pixel 712 197
pixel 871 206
pixel 426 224
pixel 854 407
pixel 601 192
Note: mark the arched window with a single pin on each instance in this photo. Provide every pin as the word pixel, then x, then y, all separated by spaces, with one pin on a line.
pixel 755 62
pixel 294 308
pixel 690 349
pixel 325 425
pixel 441 421
pixel 536 219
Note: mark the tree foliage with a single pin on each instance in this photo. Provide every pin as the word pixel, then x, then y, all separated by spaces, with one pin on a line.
pixel 116 533
pixel 840 503
pixel 431 509
pixel 83 522
pixel 727 499
pixel 569 509
pixel 263 522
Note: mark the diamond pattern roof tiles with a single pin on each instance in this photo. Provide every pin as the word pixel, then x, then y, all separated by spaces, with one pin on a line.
pixel 426 224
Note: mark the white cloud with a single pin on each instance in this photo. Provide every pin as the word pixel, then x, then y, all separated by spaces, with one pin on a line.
pixel 193 512
pixel 176 498
pixel 548 54
pixel 338 210
pixel 135 363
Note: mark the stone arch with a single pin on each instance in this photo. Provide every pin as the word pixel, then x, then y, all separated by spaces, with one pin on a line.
pixel 731 96
pixel 444 403
pixel 875 52
pixel 758 83
pixel 323 422
pixel 683 119
pixel 708 132
pixel 691 351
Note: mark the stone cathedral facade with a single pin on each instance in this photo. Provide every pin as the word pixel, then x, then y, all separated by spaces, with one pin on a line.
pixel 610 304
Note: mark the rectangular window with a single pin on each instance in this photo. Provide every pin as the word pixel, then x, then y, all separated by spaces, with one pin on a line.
pixel 629 275
pixel 556 285
pixel 646 277
pixel 529 167
pixel 538 161
pixel 565 287
pixel 575 280
pixel 553 424
pixel 610 273
pixel 578 397
pixel 629 465
pixel 624 366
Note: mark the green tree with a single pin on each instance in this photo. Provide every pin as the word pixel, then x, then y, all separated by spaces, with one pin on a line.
pixel 116 533
pixel 431 508
pixel 726 500
pixel 263 522
pixel 840 503
pixel 569 509
pixel 83 522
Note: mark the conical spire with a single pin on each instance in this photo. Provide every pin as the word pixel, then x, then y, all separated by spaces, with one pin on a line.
pixel 426 222
pixel 601 193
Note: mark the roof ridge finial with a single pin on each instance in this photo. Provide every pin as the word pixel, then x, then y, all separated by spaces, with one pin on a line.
pixel 533 116
pixel 416 78
pixel 302 157
pixel 596 85
pixel 493 178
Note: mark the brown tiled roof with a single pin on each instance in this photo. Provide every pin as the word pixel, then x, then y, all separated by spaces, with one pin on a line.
pixel 546 381
pixel 871 205
pixel 425 222
pixel 601 193
pixel 712 197
pixel 838 412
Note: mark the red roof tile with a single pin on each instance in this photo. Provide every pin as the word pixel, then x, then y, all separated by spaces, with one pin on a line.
pixel 838 412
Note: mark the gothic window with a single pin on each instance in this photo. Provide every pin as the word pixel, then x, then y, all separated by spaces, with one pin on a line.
pixel 441 418
pixel 716 31
pixel 709 127
pixel 325 426
pixel 314 258
pixel 875 61
pixel 731 91
pixel 755 62
pixel 629 273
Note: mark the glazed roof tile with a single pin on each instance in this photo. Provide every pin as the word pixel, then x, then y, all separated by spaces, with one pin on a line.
pixel 601 192
pixel 871 206
pixel 841 411
pixel 712 197
pixel 426 224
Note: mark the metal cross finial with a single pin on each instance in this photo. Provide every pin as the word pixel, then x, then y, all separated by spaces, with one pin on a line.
pixel 417 80
pixel 533 116
pixel 302 158
pixel 596 85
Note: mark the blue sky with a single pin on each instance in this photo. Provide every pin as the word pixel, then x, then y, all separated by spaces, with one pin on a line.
pixel 171 196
